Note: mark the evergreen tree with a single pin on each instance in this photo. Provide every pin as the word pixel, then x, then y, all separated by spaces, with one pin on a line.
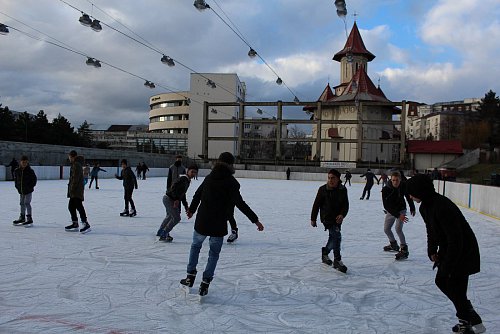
pixel 62 133
pixel 489 110
pixel 84 134
pixel 6 123
pixel 40 129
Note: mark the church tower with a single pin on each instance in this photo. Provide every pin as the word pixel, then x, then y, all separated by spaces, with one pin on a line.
pixel 352 58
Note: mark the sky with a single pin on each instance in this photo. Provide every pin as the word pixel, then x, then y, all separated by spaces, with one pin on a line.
pixel 426 50
pixel 118 279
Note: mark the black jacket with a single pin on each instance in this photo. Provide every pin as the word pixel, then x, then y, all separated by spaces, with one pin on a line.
pixel 25 180
pixel 394 199
pixel 330 202
pixel 370 177
pixel 219 194
pixel 177 191
pixel 174 172
pixel 128 177
pixel 448 233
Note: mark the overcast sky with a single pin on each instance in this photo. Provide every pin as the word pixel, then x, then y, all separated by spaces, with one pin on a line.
pixel 426 50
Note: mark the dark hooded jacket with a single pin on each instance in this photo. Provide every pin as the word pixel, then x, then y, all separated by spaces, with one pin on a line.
pixel 448 233
pixel 25 180
pixel 128 177
pixel 219 194
pixel 178 189
pixel 330 202
pixel 394 199
pixel 174 172
pixel 75 183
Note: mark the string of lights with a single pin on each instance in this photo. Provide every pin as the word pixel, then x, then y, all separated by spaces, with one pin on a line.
pixel 202 5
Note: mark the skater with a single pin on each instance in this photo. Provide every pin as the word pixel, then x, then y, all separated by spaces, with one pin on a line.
pixel 393 198
pixel 384 178
pixel 452 246
pixel 369 183
pixel 175 171
pixel 129 183
pixel 288 172
pixel 333 204
pixel 94 174
pixel 13 166
pixel 172 198
pixel 218 193
pixel 75 194
pixel 348 177
pixel 86 172
pixel 138 170
pixel 144 170
pixel 25 182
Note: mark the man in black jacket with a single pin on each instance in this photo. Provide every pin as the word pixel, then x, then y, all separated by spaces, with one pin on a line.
pixel 172 199
pixel 370 177
pixel 452 246
pixel 219 194
pixel 333 204
pixel 129 183
pixel 393 198
pixel 25 182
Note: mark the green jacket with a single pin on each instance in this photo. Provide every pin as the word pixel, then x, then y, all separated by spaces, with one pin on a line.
pixel 75 184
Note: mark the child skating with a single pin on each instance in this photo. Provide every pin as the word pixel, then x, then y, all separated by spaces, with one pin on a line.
pixel 25 182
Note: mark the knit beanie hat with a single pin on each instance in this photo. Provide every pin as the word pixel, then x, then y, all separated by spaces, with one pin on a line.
pixel 420 186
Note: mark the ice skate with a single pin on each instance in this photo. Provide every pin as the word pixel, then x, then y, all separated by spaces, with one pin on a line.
pixel 125 213
pixel 403 253
pixel 28 222
pixel 325 258
pixel 464 327
pixel 233 236
pixel 203 291
pixel 85 228
pixel 339 265
pixel 19 221
pixel 133 213
pixel 73 227
pixel 392 247
pixel 188 282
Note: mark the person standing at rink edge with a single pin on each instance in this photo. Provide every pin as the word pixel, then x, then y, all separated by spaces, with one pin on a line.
pixel 25 182
pixel 452 246
pixel 129 184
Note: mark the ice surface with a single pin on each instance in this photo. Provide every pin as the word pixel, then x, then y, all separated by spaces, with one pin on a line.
pixel 119 279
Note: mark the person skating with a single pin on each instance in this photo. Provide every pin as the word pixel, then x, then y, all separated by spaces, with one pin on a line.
pixel 172 200
pixel 218 194
pixel 384 179
pixel 175 171
pixel 452 246
pixel 288 172
pixel 348 177
pixel 393 199
pixel 234 228
pixel 129 184
pixel 332 204
pixel 75 194
pixel 94 175
pixel 25 182
pixel 138 170
pixel 144 170
pixel 86 173
pixel 370 177
pixel 13 166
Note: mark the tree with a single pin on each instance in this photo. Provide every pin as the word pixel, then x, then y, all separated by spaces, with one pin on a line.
pixel 40 128
pixel 6 123
pixel 84 134
pixel 475 134
pixel 62 133
pixel 489 110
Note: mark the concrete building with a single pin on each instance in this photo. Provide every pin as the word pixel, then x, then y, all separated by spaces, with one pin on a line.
pixel 181 113
pixel 440 121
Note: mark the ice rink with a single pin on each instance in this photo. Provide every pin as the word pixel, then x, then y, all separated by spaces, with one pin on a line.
pixel 119 279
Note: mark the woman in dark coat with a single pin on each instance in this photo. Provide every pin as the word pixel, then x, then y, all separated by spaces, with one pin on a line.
pixel 452 246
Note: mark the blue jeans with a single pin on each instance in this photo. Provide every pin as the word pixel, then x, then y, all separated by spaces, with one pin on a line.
pixel 172 218
pixel 213 254
pixel 334 239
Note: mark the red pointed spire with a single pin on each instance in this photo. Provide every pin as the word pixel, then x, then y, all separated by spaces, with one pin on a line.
pixel 361 87
pixel 327 94
pixel 355 46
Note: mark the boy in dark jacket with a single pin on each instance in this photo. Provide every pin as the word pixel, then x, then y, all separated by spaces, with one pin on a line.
pixel 219 194
pixel 94 175
pixel 333 204
pixel 129 183
pixel 172 198
pixel 370 177
pixel 452 246
pixel 25 182
pixel 75 194
pixel 393 198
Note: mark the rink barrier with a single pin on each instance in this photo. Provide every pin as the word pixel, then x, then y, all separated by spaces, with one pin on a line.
pixel 479 198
